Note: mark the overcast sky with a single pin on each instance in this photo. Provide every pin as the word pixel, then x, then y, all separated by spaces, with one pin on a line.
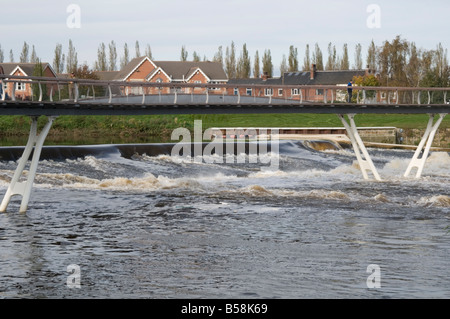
pixel 204 25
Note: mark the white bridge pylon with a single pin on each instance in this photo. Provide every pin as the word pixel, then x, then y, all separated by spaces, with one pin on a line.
pixel 24 188
pixel 363 157
pixel 427 138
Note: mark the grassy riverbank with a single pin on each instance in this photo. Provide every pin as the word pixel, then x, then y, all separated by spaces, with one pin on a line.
pixel 146 128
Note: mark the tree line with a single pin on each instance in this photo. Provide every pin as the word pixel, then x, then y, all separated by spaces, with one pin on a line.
pixel 397 62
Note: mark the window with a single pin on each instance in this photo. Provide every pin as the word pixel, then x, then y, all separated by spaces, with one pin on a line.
pixel 236 91
pixel 294 92
pixel 20 86
pixel 249 91
pixel 268 92
pixel 280 92
pixel 198 82
pixel 319 92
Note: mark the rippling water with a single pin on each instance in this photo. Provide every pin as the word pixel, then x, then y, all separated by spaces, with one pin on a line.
pixel 158 226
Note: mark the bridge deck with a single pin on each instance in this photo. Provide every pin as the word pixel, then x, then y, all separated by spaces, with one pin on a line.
pixel 100 107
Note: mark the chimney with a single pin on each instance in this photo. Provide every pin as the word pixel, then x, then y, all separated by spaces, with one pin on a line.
pixel 265 76
pixel 313 72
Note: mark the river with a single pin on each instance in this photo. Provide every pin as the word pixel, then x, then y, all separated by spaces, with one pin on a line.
pixel 135 221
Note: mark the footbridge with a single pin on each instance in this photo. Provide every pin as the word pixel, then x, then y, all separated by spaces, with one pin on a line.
pixel 52 97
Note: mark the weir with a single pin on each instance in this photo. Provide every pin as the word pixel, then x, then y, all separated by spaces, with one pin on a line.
pixel 212 99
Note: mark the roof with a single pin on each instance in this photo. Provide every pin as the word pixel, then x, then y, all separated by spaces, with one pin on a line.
pixel 123 74
pixel 107 75
pixel 180 70
pixel 321 77
pixel 27 68
pixel 256 81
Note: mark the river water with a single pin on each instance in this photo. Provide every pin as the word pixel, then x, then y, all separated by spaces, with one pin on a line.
pixel 136 222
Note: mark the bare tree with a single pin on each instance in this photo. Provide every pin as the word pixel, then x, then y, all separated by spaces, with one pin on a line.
pixel 230 61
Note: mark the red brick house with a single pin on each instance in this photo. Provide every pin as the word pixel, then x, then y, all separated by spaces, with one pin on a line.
pixel 142 69
pixel 22 89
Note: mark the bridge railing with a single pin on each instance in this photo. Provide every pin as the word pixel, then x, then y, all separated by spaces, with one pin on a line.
pixel 78 90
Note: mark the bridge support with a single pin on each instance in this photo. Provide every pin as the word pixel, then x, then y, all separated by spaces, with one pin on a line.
pixel 24 188
pixel 359 148
pixel 427 138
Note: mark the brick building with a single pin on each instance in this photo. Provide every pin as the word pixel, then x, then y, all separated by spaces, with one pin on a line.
pixel 142 69
pixel 22 89
pixel 255 86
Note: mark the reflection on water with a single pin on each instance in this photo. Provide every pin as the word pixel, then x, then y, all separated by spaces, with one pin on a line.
pixel 158 226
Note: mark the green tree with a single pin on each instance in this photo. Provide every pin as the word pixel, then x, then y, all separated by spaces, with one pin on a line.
pixel 38 70
pixel 345 63
pixel 318 57
pixel 243 68
pixel 332 58
pixel 372 56
pixel 25 52
pixel 72 59
pixel 284 65
pixel 138 50
pixel 230 61
pixel 126 56
pixel 256 66
pixel 307 59
pixel 196 57
pixel 293 59
pixel 112 56
pixel 148 52
pixel 358 57
pixel 101 64
pixel 267 65
pixel 184 54
pixel 58 60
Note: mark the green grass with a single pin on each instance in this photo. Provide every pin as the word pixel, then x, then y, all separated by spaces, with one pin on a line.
pixel 163 125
